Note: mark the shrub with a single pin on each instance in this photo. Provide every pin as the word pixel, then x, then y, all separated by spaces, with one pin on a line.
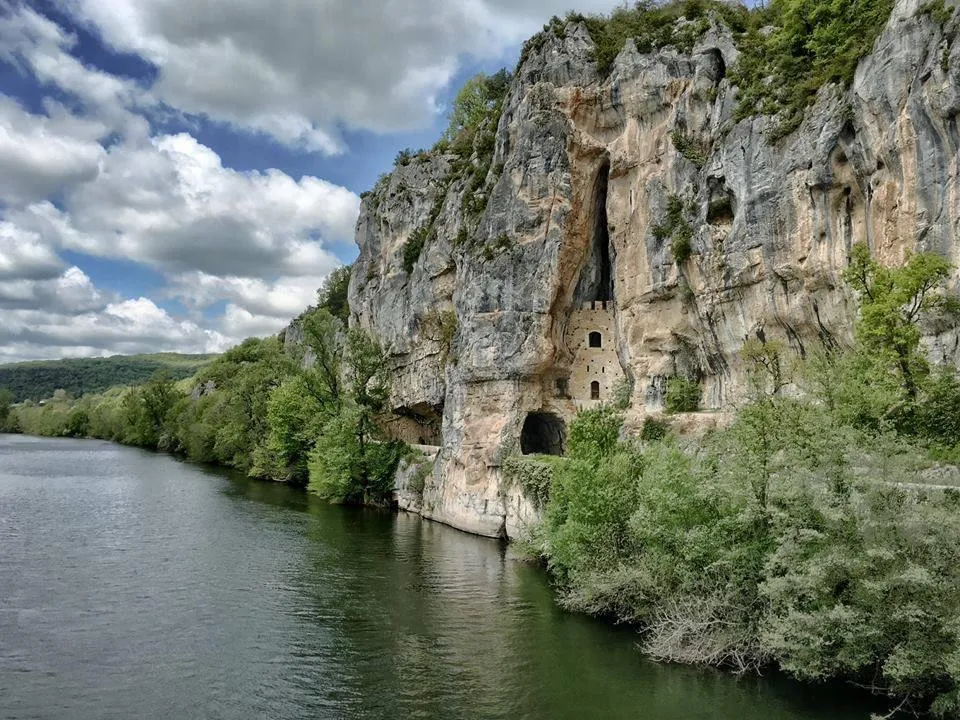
pixel 623 393
pixel 674 226
pixel 681 247
pixel 533 474
pixel 653 26
pixel 682 395
pixel 418 481
pixel 332 295
pixel 654 430
pixel 689 148
pixel 810 45
pixel 595 432
pixel 414 246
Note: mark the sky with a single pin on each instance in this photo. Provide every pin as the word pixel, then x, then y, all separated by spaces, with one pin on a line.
pixel 178 175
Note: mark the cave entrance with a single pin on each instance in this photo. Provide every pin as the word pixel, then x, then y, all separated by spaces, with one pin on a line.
pixel 543 434
pixel 596 276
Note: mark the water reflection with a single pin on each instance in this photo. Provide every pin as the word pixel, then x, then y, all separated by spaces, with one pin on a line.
pixel 132 585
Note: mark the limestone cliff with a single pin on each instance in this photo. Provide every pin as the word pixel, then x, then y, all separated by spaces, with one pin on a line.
pixel 566 281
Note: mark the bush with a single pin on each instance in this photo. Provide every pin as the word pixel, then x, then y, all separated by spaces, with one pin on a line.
pixel 675 227
pixel 689 148
pixel 623 393
pixel 811 44
pixel 681 247
pixel 653 26
pixel 654 430
pixel 533 474
pixel 414 246
pixel 332 295
pixel 595 433
pixel 682 395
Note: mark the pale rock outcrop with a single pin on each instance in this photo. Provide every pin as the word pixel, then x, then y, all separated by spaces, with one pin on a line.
pixel 772 227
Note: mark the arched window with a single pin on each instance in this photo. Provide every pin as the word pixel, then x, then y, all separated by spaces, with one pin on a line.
pixel 594 390
pixel 595 340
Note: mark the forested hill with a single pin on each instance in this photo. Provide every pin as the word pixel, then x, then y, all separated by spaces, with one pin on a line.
pixel 39 379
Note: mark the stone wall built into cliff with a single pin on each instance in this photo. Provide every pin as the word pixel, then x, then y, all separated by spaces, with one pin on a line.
pixel 592 194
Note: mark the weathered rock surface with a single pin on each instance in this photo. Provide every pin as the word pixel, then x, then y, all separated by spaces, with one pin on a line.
pixel 590 163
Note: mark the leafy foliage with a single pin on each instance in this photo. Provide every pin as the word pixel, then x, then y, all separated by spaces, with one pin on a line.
pixel 794 47
pixel 654 429
pixel 532 473
pixel 6 403
pixel 40 379
pixel 682 395
pixel 414 246
pixel 652 26
pixel 675 227
pixel 804 534
pixel 332 295
pixel 689 148
pixel 891 304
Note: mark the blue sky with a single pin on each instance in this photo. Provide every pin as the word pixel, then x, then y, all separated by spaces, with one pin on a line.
pixel 181 174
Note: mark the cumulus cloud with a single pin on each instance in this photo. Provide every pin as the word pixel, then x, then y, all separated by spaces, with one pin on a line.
pixel 302 70
pixel 42 48
pixel 67 316
pixel 126 327
pixel 172 204
pixel 89 174
pixel 42 155
pixel 24 256
pixel 282 298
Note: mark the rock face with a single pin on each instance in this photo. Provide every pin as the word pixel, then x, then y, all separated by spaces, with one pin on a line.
pixel 584 178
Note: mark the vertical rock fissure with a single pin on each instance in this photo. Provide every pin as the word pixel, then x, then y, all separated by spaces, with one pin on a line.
pixel 596 275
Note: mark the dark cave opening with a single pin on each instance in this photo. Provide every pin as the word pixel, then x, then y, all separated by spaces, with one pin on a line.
pixel 543 434
pixel 596 276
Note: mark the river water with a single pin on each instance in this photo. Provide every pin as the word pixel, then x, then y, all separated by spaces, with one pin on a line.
pixel 136 586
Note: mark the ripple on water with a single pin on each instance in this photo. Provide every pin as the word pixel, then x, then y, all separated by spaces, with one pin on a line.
pixel 132 585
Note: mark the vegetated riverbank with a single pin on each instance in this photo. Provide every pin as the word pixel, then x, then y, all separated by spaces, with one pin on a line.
pixel 201 593
pixel 310 412
pixel 799 537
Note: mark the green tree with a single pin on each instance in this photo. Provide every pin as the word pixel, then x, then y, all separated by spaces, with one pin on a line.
pixel 765 362
pixel 352 461
pixel 296 417
pixel 147 411
pixel 475 100
pixel 6 407
pixel 324 337
pixel 682 395
pixel 332 295
pixel 892 303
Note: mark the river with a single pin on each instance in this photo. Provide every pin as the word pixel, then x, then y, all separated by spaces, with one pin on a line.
pixel 136 586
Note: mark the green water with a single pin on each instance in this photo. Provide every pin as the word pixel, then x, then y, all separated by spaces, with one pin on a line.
pixel 135 586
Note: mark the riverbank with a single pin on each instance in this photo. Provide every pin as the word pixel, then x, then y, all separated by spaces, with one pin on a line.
pixel 135 586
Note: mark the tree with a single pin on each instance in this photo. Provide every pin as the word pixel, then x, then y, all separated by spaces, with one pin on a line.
pixel 324 337
pixel 892 303
pixel 475 99
pixel 766 366
pixel 147 411
pixel 351 461
pixel 6 409
pixel 332 295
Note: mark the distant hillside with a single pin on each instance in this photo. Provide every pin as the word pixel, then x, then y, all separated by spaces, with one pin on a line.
pixel 39 379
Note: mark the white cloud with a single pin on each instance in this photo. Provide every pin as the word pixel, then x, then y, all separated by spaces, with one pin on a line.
pixel 171 204
pixel 282 298
pixel 42 155
pixel 24 256
pixel 121 327
pixel 40 46
pixel 303 69
pixel 86 174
